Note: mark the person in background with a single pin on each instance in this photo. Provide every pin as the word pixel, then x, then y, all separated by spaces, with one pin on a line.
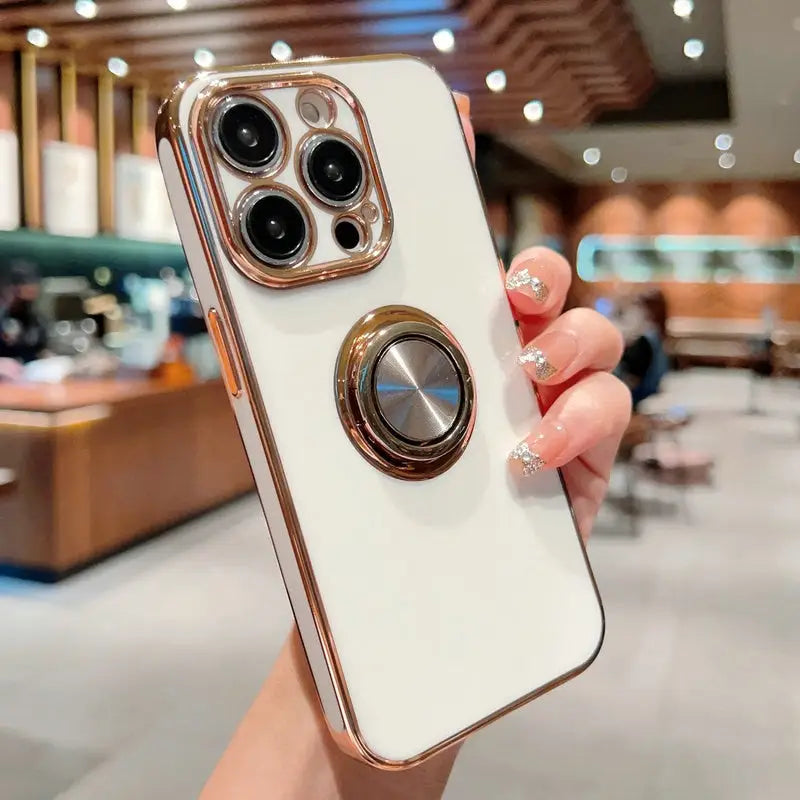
pixel 23 336
pixel 643 324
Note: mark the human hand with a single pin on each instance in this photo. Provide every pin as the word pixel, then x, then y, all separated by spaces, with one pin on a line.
pixel 10 369
pixel 567 355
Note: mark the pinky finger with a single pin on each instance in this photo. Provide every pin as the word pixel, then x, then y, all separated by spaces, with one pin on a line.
pixel 592 411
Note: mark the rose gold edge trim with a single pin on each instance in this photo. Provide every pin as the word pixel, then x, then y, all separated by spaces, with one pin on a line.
pixel 230 374
pixel 301 275
pixel 349 739
pixel 167 127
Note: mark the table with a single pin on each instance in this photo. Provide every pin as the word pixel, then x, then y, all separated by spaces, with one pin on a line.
pixel 101 464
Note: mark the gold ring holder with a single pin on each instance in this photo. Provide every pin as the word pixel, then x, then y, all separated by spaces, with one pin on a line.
pixel 357 404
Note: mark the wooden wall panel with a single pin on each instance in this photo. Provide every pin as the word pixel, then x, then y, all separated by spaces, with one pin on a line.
pixel 123 142
pixel 147 144
pixel 7 92
pixel 762 210
pixel 765 210
pixel 48 103
pixel 86 116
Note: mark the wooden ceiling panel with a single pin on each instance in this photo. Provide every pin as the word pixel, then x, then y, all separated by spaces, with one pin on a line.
pixel 579 57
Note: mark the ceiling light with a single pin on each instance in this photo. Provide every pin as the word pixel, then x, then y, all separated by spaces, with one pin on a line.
pixel 533 111
pixel 727 160
pixel 496 80
pixel 591 156
pixel 178 5
pixel 619 175
pixel 796 157
pixel 280 51
pixel 118 66
pixel 693 48
pixel 796 24
pixel 204 58
pixel 444 41
pixel 37 37
pixel 723 141
pixel 683 8
pixel 86 8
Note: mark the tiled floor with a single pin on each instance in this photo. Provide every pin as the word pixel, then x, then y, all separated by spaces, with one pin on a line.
pixel 124 683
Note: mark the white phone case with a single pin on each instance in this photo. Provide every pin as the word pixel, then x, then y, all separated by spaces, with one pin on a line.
pixel 427 608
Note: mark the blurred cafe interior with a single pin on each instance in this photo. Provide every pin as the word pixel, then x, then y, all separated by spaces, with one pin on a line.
pixel 655 143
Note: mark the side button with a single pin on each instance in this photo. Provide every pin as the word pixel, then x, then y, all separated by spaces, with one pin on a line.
pixel 230 374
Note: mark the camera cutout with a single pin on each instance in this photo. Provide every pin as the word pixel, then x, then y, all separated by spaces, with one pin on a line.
pixel 275 227
pixel 333 169
pixel 316 108
pixel 292 175
pixel 350 233
pixel 248 134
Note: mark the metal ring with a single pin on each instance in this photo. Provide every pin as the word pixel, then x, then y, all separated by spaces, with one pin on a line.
pixel 358 408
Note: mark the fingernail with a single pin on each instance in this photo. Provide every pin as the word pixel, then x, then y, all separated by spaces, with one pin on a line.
pixel 529 284
pixel 548 354
pixel 540 449
pixel 462 102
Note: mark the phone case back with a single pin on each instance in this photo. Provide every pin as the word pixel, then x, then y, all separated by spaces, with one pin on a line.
pixel 447 600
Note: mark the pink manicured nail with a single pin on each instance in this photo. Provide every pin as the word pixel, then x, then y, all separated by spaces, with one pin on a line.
pixel 531 280
pixel 540 449
pixel 548 354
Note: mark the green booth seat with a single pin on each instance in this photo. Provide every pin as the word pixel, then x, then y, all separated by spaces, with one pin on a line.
pixel 67 256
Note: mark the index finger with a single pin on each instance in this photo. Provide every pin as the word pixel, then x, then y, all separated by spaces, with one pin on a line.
pixel 537 283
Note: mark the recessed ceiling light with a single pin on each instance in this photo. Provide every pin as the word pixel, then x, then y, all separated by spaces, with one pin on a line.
pixel 86 8
pixel 591 156
pixel 683 8
pixel 37 37
pixel 496 80
pixel 727 160
pixel 117 66
pixel 444 41
pixel 204 58
pixel 533 111
pixel 178 5
pixel 280 51
pixel 723 141
pixel 796 157
pixel 693 48
pixel 619 175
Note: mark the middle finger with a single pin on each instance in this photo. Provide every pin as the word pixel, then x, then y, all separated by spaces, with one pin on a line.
pixel 578 340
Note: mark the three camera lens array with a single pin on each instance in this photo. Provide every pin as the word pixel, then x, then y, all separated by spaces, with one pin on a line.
pixel 274 226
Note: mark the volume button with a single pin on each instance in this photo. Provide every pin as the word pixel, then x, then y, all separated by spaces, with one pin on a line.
pixel 222 342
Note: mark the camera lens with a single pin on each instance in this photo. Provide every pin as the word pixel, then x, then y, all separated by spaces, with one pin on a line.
pixel 247 133
pixel 275 229
pixel 333 170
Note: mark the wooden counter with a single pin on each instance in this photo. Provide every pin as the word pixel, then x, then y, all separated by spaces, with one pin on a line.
pixel 97 464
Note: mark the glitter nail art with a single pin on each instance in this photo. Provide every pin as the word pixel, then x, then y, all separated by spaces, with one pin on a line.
pixel 531 462
pixel 543 368
pixel 524 278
